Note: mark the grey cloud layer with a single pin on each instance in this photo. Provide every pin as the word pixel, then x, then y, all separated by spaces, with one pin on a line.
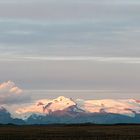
pixel 66 9
pixel 34 32
pixel 70 38
pixel 72 75
pixel 64 27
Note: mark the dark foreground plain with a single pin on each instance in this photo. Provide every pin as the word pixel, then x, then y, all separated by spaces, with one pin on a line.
pixel 70 132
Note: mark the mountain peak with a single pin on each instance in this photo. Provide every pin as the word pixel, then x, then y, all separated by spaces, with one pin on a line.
pixel 62 99
pixel 59 103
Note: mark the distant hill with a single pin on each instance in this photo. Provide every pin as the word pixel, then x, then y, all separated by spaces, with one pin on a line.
pixel 5 118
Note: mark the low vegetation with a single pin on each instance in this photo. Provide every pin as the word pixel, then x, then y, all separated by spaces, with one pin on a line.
pixel 70 132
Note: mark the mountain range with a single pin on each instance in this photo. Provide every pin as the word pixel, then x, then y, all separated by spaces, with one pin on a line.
pixel 65 110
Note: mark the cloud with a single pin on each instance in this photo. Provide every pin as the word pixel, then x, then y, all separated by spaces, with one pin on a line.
pixel 124 60
pixel 11 94
pixel 82 37
pixel 10 87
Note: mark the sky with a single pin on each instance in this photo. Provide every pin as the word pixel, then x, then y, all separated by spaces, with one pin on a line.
pixel 76 48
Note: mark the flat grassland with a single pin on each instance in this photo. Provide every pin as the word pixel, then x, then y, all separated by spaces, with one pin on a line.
pixel 70 132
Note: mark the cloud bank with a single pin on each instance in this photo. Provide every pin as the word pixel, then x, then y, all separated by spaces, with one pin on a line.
pixel 11 94
pixel 120 60
pixel 10 87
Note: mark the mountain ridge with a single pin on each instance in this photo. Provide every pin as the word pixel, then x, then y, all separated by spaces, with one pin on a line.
pixel 127 107
pixel 66 110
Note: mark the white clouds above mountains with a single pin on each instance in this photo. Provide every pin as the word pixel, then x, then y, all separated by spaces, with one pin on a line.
pixel 10 87
pixel 11 94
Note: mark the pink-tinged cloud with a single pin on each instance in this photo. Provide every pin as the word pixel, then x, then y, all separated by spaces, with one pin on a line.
pixel 11 94
pixel 10 87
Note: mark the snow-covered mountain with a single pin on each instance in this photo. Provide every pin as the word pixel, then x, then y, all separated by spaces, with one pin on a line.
pixel 67 110
pixel 67 106
pixel 128 107
pixel 6 118
pixel 60 106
